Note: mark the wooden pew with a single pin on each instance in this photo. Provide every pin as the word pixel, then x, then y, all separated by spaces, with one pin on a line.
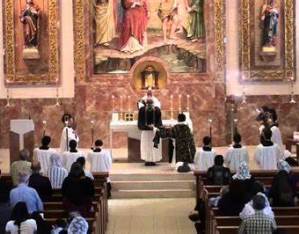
pixel 289 229
pixel 264 176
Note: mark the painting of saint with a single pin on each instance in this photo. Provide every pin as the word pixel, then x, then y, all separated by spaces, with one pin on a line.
pixel 30 19
pixel 127 30
pixel 196 28
pixel 133 34
pixel 106 21
pixel 269 18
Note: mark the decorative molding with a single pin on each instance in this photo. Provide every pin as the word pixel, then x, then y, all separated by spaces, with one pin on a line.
pixel 283 73
pixel 52 76
pixel 219 34
pixel 79 35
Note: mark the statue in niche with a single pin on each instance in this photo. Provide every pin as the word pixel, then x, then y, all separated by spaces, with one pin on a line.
pixel 270 20
pixel 30 19
pixel 150 78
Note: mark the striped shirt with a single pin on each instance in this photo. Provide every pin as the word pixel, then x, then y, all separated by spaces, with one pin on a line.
pixel 56 176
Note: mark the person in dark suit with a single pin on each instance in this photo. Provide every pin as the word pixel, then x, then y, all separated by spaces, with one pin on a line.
pixel 40 183
pixel 78 191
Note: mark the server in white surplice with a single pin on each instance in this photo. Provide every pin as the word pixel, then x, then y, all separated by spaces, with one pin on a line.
pixel 149 119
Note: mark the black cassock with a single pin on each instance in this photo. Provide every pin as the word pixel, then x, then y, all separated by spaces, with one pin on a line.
pixel 149 116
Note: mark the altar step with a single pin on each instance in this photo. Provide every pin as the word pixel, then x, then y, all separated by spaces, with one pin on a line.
pixel 152 186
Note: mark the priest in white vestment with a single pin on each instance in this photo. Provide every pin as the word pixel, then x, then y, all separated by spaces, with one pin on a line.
pixel 204 159
pixel 236 154
pixel 68 133
pixel 149 119
pixel 72 155
pixel 43 154
pixel 267 154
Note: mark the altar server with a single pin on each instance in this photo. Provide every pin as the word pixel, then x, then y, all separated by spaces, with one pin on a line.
pixel 72 156
pixel 149 119
pixel 236 154
pixel 100 161
pixel 43 153
pixel 204 159
pixel 68 133
pixel 267 153
pixel 269 119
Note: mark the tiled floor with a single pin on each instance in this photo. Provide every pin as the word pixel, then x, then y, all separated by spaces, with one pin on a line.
pixel 150 216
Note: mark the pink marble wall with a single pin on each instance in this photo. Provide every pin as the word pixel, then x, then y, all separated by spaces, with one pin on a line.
pixel 93 102
pixel 246 113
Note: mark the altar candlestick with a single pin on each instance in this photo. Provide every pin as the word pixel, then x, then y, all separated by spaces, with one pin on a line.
pixel 7 98
pixel 171 106
pixel 121 107
pixel 188 103
pixel 113 103
pixel 180 103
pixel 44 127
pixel 92 122
pixel 235 125
pixel 210 126
pixel 129 103
pixel 57 97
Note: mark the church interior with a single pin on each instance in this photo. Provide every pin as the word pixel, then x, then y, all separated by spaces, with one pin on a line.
pixel 116 75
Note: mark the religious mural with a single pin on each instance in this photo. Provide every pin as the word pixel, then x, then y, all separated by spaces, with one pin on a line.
pixel 267 39
pixel 127 30
pixel 31 41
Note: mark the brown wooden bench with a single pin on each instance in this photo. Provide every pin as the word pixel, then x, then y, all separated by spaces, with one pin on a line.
pixel 289 229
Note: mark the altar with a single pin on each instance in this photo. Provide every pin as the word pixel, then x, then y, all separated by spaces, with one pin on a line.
pixel 134 136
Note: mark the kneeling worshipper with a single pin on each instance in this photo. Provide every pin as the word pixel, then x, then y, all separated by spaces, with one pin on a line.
pixel 78 191
pixel 43 153
pixel 68 133
pixel 149 119
pixel 100 161
pixel 204 159
pixel 267 154
pixel 71 156
pixel 236 154
pixel 56 173
pixel 184 144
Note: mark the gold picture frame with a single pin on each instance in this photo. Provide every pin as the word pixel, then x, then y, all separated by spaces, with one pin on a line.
pixel 12 77
pixel 286 70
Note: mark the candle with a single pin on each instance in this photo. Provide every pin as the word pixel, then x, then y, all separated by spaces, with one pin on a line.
pixel 171 106
pixel 44 127
pixel 92 122
pixel 121 103
pixel 121 107
pixel 113 103
pixel 7 98
pixel 57 97
pixel 210 120
pixel 129 103
pixel 180 103
pixel 188 103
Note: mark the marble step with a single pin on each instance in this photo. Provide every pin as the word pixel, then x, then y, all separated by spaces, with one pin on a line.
pixel 152 177
pixel 165 193
pixel 153 185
